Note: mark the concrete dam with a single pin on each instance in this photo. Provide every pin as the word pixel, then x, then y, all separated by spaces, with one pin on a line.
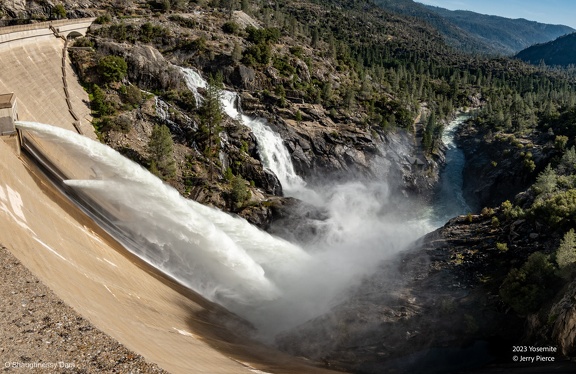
pixel 82 263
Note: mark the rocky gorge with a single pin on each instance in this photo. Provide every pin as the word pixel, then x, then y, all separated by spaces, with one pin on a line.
pixel 459 297
pixel 322 142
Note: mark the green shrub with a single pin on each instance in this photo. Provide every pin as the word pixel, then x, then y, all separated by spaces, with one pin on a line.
pixel 105 18
pixel 566 252
pixel 160 5
pixel 487 212
pixel 183 98
pixel 297 51
pixel 529 165
pixel 267 35
pixel 183 21
pixel 568 162
pixel 161 149
pixel 506 207
pixel 83 42
pixel 558 209
pixel 525 289
pixel 560 142
pixel 120 124
pixel 228 174
pixel 198 44
pixel 100 106
pixel 495 222
pixel 112 68
pixel 257 54
pixel 148 32
pixel 284 67
pixel 133 95
pixel 58 11
pixel 239 191
pixel 230 27
pixel 546 181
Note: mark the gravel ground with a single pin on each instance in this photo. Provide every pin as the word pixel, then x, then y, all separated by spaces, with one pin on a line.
pixel 41 334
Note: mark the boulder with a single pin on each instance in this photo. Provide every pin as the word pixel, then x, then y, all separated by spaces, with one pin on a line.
pixel 146 66
pixel 244 77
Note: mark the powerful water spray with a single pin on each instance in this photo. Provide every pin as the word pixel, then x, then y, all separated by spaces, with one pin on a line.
pixel 201 247
pixel 274 284
pixel 361 230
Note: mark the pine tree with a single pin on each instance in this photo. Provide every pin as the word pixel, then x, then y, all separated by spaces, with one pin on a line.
pixel 245 6
pixel 211 117
pixel 237 52
pixel 239 192
pixel 546 181
pixel 161 149
pixel 430 133
pixel 315 37
pixel 566 252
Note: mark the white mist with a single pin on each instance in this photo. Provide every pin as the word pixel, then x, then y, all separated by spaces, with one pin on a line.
pixel 272 283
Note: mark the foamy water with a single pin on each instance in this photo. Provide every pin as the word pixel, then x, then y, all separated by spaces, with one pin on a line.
pixel 273 283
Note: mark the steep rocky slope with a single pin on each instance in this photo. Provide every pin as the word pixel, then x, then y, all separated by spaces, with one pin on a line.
pixel 498 166
pixel 438 307
pixel 323 138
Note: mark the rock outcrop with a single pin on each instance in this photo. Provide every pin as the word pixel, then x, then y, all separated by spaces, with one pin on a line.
pixel 438 305
pixel 323 149
pixel 22 11
pixel 429 303
pixel 499 167
pixel 564 328
pixel 147 67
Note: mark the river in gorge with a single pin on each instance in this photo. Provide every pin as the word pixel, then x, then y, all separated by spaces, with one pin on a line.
pixel 274 284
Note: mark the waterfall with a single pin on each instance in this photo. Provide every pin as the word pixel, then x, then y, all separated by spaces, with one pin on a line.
pixel 272 283
pixel 271 147
pixel 163 112
pixel 194 81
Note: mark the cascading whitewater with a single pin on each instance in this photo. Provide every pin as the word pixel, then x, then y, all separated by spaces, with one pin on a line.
pixel 162 111
pixel 272 283
pixel 361 230
pixel 201 247
pixel 194 81
pixel 269 281
pixel 271 148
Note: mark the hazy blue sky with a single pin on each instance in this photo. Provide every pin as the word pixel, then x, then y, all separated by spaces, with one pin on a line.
pixel 561 12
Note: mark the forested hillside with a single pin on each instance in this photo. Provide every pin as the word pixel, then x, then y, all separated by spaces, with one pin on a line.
pixel 559 52
pixel 506 35
pixel 478 33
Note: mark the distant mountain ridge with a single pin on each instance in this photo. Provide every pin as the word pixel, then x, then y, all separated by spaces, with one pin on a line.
pixel 561 51
pixel 479 33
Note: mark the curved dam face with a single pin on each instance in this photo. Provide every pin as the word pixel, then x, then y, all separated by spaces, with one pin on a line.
pixel 36 68
pixel 118 293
